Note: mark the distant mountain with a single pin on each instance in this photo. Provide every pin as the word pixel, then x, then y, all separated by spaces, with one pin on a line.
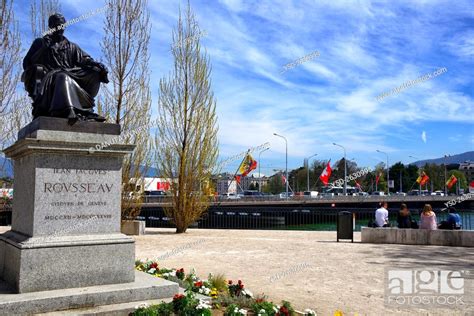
pixel 453 159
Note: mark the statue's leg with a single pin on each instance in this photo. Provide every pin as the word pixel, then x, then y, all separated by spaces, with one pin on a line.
pixel 90 83
pixel 64 97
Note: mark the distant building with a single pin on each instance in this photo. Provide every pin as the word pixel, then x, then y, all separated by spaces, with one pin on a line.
pixel 226 185
pixel 467 168
pixel 153 184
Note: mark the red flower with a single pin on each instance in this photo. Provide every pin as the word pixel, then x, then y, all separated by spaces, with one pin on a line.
pixel 284 311
pixel 240 282
pixel 178 297
pixel 154 265
pixel 230 281
pixel 181 270
pixel 198 284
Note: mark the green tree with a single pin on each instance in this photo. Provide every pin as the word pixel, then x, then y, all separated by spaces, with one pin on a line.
pixel 275 184
pixel 462 181
pixel 315 171
pixel 436 174
pixel 186 139
pixel 126 99
pixel 382 173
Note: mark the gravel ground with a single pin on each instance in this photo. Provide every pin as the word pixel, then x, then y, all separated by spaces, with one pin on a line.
pixel 309 269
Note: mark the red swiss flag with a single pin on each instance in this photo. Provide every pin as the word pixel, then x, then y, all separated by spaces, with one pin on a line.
pixel 326 174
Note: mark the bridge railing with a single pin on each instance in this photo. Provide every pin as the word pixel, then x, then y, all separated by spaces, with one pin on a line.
pixel 288 219
pixel 319 199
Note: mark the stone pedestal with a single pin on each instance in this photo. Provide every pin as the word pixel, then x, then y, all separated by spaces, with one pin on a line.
pixel 133 228
pixel 66 230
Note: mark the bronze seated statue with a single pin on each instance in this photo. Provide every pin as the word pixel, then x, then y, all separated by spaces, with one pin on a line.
pixel 61 78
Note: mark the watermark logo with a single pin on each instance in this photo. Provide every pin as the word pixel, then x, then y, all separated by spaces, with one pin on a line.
pixel 294 269
pixel 425 288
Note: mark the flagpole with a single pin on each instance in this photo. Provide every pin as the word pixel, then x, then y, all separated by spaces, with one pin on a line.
pixel 235 174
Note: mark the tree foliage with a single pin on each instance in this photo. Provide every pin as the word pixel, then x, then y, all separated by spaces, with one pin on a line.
pixel 186 139
pixel 126 99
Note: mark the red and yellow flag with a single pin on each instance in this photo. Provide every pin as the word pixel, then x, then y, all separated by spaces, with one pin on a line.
pixel 247 165
pixel 452 181
pixel 423 178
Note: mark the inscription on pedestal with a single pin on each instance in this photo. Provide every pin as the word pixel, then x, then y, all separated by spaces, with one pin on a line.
pixel 78 200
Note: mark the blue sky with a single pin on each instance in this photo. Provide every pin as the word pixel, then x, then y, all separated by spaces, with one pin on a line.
pixel 366 48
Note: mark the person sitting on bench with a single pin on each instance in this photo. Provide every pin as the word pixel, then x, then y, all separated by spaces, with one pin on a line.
pixel 404 217
pixel 453 221
pixel 428 218
pixel 381 215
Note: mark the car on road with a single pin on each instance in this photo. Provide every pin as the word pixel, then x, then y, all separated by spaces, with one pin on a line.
pixel 232 196
pixel 400 194
pixel 310 194
pixel 438 193
pixel 417 193
pixel 283 195
pixel 378 193
pixel 253 193
pixel 155 193
pixel 362 194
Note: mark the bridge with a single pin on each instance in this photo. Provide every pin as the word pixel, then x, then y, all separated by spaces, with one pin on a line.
pixel 335 201
pixel 302 213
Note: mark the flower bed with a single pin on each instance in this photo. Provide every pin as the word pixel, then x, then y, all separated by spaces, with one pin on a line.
pixel 229 297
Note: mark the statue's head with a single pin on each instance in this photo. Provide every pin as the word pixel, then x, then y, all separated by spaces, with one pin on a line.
pixel 56 23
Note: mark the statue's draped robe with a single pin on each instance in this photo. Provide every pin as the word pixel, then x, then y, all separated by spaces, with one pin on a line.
pixel 70 83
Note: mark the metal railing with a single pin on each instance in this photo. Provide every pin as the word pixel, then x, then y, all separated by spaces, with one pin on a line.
pixel 296 219
pixel 318 199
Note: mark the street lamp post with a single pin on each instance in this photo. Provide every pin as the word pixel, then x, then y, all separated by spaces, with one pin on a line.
pixel 345 168
pixel 259 174
pixel 388 170
pixel 416 159
pixel 445 176
pixel 286 161
pixel 307 169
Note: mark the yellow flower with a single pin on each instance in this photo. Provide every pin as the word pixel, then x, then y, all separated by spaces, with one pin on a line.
pixel 338 313
pixel 214 293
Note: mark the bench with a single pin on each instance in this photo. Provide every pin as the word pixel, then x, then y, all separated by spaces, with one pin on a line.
pixel 439 237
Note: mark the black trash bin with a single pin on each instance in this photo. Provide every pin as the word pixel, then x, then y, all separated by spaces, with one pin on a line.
pixel 344 226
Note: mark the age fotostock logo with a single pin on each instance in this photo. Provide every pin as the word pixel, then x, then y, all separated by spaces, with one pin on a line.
pixel 425 288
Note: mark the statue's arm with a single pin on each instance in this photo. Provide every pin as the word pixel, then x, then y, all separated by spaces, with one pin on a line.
pixel 84 59
pixel 37 44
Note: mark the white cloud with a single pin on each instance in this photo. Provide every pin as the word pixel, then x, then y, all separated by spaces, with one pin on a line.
pixel 423 137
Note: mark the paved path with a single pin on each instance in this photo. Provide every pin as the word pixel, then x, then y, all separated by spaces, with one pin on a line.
pixel 309 269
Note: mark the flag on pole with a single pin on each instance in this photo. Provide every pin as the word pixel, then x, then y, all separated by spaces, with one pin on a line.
pixel 358 185
pixel 452 181
pixel 283 179
pixel 423 178
pixel 326 174
pixel 247 165
pixel 377 178
pixel 237 179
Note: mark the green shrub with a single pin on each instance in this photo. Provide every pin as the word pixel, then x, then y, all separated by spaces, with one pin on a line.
pixel 219 282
